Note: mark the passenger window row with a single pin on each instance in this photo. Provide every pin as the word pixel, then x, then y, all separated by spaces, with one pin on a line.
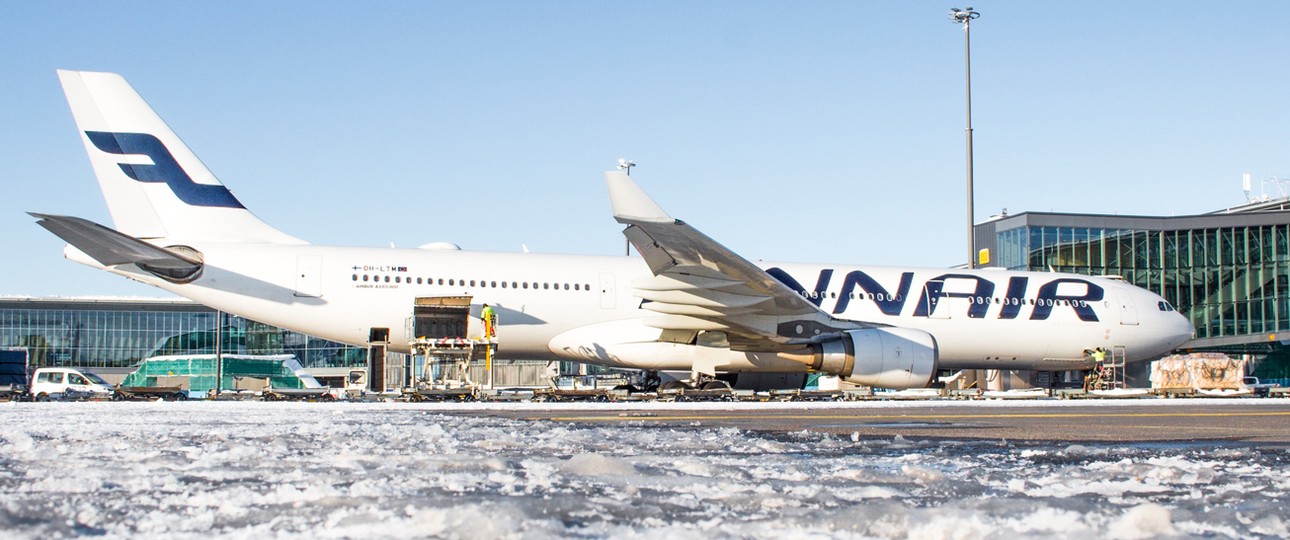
pixel 854 296
pixel 367 278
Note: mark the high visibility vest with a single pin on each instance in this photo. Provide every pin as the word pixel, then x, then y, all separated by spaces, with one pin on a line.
pixel 487 315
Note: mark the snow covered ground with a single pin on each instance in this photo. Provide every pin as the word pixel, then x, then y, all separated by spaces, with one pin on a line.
pixel 313 470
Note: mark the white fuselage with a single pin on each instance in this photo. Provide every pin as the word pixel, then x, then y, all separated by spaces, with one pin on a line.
pixel 582 308
pixel 707 310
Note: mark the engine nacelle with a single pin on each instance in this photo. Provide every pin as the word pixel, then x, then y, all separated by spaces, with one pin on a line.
pixel 880 357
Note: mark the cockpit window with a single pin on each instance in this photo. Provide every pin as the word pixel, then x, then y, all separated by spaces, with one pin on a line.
pixel 1165 306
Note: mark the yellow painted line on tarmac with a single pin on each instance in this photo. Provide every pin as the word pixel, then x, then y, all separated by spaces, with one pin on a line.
pixel 693 417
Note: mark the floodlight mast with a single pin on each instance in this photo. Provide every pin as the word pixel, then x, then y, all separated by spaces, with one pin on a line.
pixel 965 16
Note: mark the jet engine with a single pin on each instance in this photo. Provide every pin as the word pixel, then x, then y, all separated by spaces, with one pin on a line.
pixel 880 357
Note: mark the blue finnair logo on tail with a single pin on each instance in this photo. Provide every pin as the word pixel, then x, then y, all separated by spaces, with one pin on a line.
pixel 164 168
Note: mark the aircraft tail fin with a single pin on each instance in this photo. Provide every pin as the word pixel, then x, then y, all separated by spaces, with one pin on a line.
pixel 154 185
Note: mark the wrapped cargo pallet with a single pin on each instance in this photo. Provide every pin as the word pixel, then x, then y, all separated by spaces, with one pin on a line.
pixel 1197 371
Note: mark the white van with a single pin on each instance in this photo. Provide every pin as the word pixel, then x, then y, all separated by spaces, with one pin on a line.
pixel 69 383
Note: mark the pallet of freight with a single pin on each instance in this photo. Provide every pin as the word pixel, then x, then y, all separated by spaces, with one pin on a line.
pixel 125 393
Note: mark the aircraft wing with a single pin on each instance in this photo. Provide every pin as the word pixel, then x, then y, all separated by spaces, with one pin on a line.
pixel 112 248
pixel 698 284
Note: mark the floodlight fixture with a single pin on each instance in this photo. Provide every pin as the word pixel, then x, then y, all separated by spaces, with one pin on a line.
pixel 963 15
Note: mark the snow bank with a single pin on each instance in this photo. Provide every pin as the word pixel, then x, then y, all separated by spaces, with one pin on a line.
pixel 197 470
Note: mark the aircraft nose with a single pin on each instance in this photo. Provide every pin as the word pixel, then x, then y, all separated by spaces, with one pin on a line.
pixel 1182 329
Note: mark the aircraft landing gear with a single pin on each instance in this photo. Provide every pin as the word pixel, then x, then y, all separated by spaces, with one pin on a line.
pixel 650 381
pixel 673 386
pixel 715 384
pixel 646 381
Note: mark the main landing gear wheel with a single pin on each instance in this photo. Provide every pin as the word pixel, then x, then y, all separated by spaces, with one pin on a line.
pixel 651 382
pixel 673 386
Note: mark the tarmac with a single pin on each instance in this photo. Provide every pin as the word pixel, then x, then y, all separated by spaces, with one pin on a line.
pixel 1259 422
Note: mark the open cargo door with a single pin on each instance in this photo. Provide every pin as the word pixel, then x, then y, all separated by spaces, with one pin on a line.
pixel 437 317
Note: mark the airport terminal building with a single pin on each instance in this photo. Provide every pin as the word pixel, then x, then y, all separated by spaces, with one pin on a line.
pixel 1228 271
pixel 112 336
pixel 117 333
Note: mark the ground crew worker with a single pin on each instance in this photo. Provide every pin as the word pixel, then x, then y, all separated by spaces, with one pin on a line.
pixel 490 321
pixel 1099 355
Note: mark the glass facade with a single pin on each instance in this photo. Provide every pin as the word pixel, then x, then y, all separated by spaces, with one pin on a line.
pixel 1231 279
pixel 119 333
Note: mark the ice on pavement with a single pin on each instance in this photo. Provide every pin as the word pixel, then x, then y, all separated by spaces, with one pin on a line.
pixel 347 470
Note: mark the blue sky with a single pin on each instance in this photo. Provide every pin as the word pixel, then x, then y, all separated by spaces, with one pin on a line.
pixel 803 131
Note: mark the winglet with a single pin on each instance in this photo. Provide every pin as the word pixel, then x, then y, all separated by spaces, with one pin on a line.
pixel 630 202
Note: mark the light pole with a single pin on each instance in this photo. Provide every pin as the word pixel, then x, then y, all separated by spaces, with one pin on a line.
pixel 965 16
pixel 219 351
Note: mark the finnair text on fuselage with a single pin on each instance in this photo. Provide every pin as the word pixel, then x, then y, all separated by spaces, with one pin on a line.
pixel 977 291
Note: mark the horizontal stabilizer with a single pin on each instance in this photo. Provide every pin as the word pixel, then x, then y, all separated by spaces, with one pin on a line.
pixel 111 248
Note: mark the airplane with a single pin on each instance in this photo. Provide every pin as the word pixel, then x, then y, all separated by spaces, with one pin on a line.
pixel 685 303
